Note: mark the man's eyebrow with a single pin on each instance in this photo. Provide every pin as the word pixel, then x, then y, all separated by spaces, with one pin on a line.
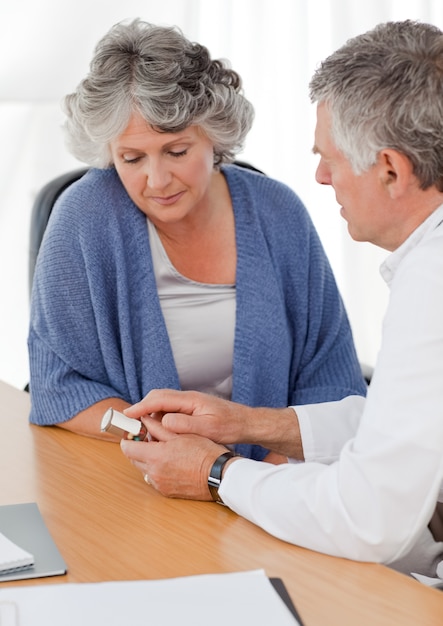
pixel 315 149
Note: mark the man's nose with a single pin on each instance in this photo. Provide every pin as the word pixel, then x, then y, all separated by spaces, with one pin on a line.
pixel 322 174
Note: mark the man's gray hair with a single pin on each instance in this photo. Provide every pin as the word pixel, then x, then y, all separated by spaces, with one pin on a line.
pixel 384 89
pixel 172 82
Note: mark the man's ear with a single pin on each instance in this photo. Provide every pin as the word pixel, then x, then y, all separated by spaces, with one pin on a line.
pixel 395 171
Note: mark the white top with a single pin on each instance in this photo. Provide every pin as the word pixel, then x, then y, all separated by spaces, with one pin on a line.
pixel 200 320
pixel 377 499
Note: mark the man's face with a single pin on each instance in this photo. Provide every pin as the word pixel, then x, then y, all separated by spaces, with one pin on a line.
pixel 362 197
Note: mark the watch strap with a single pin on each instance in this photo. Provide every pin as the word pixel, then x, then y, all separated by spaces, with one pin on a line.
pixel 215 475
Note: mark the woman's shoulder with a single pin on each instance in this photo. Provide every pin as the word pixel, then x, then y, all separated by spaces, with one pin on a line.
pixel 97 195
pixel 254 191
pixel 96 185
pixel 242 177
pixel 93 209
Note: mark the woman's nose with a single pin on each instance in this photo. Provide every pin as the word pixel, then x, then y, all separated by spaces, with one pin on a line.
pixel 158 175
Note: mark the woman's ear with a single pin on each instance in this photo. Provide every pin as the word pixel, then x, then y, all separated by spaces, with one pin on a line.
pixel 395 171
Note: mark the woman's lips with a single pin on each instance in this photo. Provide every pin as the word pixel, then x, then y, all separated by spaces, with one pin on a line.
pixel 167 200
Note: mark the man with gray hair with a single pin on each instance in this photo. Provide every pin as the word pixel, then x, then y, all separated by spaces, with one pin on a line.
pixel 370 488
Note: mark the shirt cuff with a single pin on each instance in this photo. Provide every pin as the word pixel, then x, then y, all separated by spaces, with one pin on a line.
pixel 326 427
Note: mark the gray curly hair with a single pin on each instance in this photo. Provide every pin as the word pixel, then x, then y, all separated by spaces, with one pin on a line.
pixel 170 81
pixel 384 89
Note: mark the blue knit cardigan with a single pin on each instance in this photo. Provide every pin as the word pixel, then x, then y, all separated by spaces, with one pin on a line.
pixel 97 329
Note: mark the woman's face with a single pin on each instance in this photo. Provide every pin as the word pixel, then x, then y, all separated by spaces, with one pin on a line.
pixel 167 175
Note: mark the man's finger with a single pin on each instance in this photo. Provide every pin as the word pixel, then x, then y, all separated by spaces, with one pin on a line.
pixel 165 401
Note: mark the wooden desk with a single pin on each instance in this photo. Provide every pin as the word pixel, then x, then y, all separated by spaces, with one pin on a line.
pixel 110 525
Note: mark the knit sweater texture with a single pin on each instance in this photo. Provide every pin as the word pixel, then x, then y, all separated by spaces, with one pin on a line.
pixel 97 329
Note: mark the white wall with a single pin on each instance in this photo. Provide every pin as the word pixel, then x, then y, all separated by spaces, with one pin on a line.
pixel 45 48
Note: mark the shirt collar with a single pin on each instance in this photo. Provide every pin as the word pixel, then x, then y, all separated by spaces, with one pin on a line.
pixel 390 265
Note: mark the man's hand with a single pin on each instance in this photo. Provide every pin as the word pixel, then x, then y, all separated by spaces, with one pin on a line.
pixel 177 466
pixel 224 422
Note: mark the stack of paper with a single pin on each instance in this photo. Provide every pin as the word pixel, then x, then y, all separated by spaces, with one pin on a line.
pixel 216 599
pixel 12 557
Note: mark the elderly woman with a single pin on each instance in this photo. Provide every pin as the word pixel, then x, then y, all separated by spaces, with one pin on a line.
pixel 168 266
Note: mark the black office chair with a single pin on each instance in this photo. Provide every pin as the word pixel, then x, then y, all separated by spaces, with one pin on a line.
pixel 367 371
pixel 41 210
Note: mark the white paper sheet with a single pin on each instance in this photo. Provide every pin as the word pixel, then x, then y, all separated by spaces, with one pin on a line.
pixel 236 599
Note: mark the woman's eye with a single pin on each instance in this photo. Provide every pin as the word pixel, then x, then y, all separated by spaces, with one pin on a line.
pixel 178 154
pixel 130 160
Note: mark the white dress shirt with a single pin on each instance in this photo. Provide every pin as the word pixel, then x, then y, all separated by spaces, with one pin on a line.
pixel 370 485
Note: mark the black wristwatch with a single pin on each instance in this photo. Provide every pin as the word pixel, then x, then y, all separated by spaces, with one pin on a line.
pixel 215 475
